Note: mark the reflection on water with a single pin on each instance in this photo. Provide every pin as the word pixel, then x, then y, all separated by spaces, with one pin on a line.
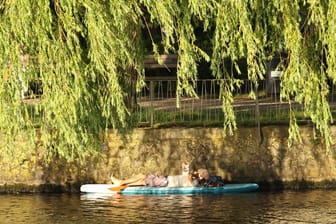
pixel 317 206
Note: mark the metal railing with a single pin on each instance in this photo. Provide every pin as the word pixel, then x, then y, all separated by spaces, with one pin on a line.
pixel 157 103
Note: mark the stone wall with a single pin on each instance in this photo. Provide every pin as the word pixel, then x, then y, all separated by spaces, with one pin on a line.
pixel 238 158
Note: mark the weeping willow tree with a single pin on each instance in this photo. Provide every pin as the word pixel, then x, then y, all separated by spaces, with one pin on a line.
pixel 88 58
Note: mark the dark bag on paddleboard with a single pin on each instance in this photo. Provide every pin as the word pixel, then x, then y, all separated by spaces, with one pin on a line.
pixel 213 181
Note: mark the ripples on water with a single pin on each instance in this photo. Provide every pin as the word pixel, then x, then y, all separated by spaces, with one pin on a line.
pixel 272 207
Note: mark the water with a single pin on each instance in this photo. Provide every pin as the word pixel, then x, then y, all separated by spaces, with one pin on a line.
pixel 318 206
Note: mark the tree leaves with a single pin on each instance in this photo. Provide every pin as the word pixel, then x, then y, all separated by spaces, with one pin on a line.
pixel 88 56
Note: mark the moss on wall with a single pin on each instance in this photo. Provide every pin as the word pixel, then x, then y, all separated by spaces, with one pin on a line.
pixel 238 158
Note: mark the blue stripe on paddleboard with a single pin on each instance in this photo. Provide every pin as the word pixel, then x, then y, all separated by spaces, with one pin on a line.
pixel 228 188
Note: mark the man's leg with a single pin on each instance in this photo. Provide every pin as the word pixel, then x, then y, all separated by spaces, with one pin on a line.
pixel 138 179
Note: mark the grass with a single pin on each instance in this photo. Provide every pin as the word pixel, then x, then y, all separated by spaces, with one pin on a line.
pixel 147 117
pixel 215 118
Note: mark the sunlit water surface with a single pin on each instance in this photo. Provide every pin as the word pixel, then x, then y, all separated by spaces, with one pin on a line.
pixel 318 206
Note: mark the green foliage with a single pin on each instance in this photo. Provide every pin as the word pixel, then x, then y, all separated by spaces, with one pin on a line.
pixel 88 56
pixel 84 56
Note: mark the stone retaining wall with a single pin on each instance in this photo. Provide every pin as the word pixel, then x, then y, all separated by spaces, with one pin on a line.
pixel 238 158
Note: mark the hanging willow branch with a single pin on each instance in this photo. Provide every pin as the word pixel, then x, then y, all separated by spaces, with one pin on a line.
pixel 87 57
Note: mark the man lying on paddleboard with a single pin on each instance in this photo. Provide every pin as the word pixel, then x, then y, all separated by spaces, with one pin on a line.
pixel 199 178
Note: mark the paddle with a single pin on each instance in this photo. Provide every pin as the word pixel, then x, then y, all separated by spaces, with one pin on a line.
pixel 117 189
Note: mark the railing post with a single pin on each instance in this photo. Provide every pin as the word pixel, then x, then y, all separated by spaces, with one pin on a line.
pixel 151 95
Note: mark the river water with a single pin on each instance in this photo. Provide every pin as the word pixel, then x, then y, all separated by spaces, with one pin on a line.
pixel 314 206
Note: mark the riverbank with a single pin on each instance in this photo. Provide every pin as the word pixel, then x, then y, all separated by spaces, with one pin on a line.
pixel 239 158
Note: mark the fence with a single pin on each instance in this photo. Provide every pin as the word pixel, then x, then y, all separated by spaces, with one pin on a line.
pixel 157 103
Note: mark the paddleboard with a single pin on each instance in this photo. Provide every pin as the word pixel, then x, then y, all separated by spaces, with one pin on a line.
pixel 227 188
